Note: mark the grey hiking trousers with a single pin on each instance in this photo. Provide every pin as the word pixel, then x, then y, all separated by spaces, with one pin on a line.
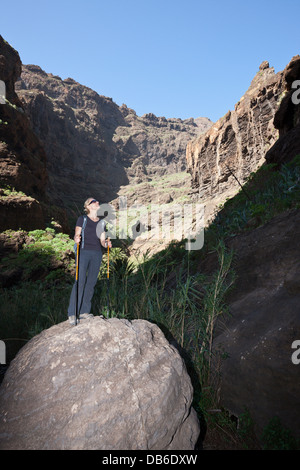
pixel 89 267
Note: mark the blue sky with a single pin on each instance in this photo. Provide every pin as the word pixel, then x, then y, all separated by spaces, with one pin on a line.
pixel 173 58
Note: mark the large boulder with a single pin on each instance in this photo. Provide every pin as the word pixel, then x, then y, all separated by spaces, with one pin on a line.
pixel 103 384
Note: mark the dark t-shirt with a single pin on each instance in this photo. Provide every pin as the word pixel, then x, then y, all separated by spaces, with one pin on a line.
pixel 92 233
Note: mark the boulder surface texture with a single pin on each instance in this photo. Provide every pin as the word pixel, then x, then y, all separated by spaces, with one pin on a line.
pixel 103 384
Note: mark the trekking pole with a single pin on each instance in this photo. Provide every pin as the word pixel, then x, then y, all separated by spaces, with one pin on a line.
pixel 107 279
pixel 76 281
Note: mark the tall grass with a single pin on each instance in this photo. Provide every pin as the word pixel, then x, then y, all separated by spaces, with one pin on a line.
pixel 169 291
pixel 28 309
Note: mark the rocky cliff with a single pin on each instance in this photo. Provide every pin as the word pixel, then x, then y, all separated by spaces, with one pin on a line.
pixel 237 143
pixel 255 341
pixel 24 176
pixel 287 118
pixel 93 146
pixel 23 160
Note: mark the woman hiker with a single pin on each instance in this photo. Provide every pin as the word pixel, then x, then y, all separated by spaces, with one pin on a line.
pixel 90 233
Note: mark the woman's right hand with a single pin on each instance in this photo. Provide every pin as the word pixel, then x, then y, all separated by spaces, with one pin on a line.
pixel 77 238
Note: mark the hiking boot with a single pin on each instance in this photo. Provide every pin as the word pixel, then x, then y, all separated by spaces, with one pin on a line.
pixel 72 319
pixel 84 316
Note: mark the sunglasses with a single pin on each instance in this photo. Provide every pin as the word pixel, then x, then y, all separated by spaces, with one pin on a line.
pixel 93 200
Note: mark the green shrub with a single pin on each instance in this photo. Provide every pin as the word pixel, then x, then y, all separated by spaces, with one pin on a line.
pixel 275 436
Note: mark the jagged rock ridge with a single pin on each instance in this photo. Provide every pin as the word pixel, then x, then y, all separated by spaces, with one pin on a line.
pixel 287 118
pixel 237 143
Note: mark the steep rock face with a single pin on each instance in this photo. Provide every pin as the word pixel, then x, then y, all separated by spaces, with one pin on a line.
pixel 22 158
pixel 94 146
pixel 20 211
pixel 287 118
pixel 76 126
pixel 155 146
pixel 256 339
pixel 10 67
pixel 236 144
pixel 102 385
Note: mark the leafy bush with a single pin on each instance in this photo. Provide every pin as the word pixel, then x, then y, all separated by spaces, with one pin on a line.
pixel 277 437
